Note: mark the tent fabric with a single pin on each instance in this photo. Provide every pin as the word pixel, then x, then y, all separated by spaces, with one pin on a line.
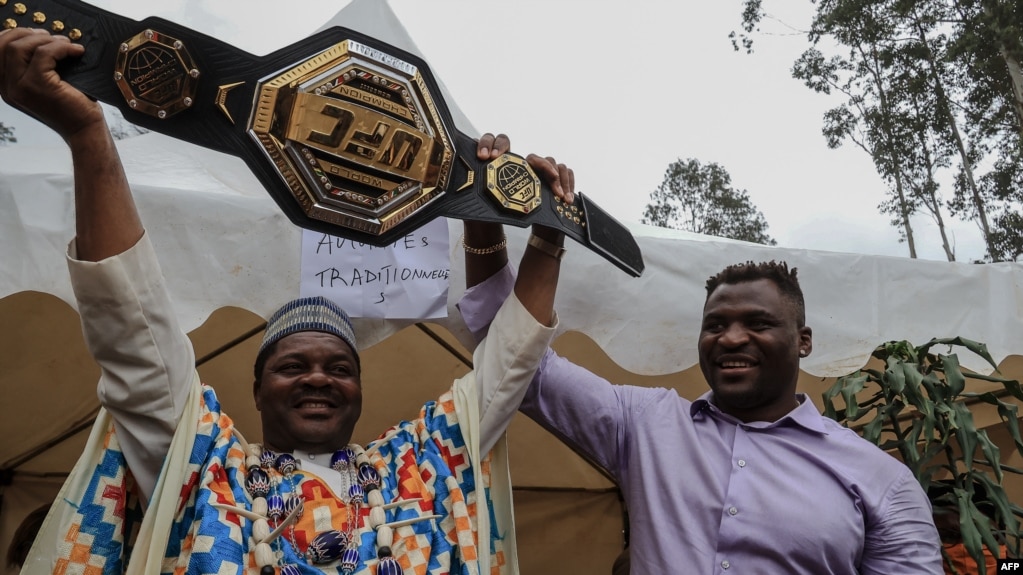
pixel 223 242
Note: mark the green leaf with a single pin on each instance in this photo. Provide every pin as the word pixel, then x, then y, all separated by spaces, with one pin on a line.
pixel 913 379
pixel 965 433
pixel 987 535
pixel 974 346
pixel 991 451
pixel 927 390
pixel 872 431
pixel 894 376
pixel 936 389
pixel 972 538
pixel 915 430
pixel 831 393
pixel 1011 385
pixel 1009 414
pixel 1000 500
pixel 851 387
pixel 953 374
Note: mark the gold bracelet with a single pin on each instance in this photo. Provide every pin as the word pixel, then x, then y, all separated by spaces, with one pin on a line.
pixel 555 251
pixel 485 251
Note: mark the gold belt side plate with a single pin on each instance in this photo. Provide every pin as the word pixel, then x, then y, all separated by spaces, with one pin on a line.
pixel 156 74
pixel 513 184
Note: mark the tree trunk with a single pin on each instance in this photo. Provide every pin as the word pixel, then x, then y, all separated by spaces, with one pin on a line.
pixel 931 200
pixel 897 175
pixel 906 226
pixel 1016 80
pixel 939 89
pixel 1012 65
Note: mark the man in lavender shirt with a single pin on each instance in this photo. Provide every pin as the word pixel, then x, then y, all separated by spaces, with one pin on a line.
pixel 750 477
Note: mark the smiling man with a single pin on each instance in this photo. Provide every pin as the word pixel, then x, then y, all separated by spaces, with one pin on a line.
pixel 750 477
pixel 167 484
pixel 752 336
pixel 294 410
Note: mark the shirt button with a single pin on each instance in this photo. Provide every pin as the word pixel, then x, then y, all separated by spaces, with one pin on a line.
pixel 311 457
pixel 732 510
pixel 725 564
pixel 742 463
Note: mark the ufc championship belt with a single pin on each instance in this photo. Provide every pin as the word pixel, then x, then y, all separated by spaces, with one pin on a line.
pixel 350 135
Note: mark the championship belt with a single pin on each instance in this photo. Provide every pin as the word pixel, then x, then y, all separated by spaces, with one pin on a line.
pixel 350 135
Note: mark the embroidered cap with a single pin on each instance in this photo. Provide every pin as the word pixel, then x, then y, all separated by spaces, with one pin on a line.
pixel 309 314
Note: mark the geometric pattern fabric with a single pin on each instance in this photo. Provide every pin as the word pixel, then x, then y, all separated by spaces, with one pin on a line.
pixel 425 458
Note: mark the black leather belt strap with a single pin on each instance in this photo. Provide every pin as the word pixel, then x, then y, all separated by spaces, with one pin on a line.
pixel 348 134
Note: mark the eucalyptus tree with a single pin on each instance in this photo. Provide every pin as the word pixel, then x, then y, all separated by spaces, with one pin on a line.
pixel 986 52
pixel 700 198
pixel 872 116
pixel 934 128
pixel 934 93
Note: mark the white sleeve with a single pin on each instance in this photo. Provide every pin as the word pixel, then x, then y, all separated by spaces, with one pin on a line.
pixel 504 364
pixel 147 362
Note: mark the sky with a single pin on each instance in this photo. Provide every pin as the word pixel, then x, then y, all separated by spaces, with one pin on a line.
pixel 617 91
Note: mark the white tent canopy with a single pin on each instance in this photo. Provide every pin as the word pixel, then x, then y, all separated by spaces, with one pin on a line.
pixel 223 242
pixel 231 258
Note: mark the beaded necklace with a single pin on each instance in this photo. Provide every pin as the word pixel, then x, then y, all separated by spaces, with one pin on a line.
pixel 277 503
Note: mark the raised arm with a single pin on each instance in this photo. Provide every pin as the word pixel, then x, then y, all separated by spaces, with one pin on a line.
pixel 105 216
pixel 541 261
pixel 484 242
pixel 486 256
pixel 519 337
pixel 146 361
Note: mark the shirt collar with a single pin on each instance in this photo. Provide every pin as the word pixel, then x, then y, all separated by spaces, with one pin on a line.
pixel 804 415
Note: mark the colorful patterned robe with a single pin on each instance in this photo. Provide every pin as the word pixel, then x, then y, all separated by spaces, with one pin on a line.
pixel 97 519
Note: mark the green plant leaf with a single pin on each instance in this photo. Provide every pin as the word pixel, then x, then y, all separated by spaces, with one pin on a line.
pixel 965 433
pixel 913 378
pixel 936 388
pixel 916 429
pixel 987 535
pixel 953 374
pixel 919 411
pixel 938 396
pixel 943 409
pixel 850 388
pixel 902 349
pixel 894 378
pixel 1009 414
pixel 1011 385
pixel 991 451
pixel 1000 500
pixel 831 393
pixel 972 538
pixel 974 346
pixel 872 430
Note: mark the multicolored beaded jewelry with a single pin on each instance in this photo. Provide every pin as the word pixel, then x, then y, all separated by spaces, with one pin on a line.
pixel 271 507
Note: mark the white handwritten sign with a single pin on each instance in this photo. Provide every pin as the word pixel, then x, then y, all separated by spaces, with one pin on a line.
pixel 407 279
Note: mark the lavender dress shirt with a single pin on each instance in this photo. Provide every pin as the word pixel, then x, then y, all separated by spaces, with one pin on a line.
pixel 708 493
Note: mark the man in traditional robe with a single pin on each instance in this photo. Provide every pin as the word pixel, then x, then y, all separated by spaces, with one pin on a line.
pixel 167 484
